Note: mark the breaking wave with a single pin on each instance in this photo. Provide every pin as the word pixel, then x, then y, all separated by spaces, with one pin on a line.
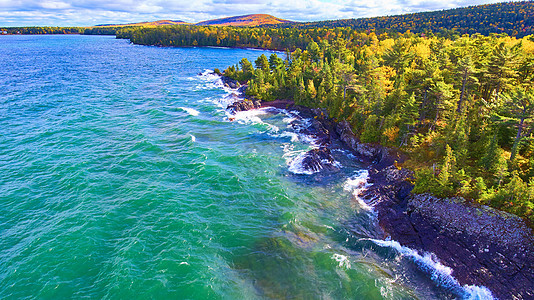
pixel 439 273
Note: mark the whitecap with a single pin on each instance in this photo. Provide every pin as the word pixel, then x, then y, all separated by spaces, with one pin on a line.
pixel 211 81
pixel 208 75
pixel 248 116
pixel 190 111
pixel 439 273
pixel 296 165
pixel 287 134
pixel 358 184
pixel 193 138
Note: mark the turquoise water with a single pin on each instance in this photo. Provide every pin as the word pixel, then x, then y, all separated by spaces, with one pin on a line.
pixel 122 177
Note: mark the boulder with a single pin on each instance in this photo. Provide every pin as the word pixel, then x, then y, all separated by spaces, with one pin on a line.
pixel 230 83
pixel 319 159
pixel 243 105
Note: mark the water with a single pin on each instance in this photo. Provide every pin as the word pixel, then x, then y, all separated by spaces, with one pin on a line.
pixel 121 176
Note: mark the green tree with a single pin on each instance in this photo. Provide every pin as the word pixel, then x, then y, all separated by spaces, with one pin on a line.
pixel 262 63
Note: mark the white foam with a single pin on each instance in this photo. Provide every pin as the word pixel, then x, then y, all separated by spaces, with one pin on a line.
pixel 249 116
pixel 439 273
pixel 296 167
pixel 343 261
pixel 208 75
pixel 211 81
pixel 190 111
pixel 193 138
pixel 292 135
pixel 289 119
pixel 358 184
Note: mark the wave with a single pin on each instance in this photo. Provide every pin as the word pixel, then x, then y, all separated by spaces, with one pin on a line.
pixel 249 116
pixel 439 273
pixel 296 165
pixel 212 81
pixel 358 184
pixel 190 111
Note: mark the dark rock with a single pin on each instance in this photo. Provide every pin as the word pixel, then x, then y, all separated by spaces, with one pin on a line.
pixel 319 159
pixel 243 105
pixel 242 90
pixel 229 82
pixel 483 246
pixel 378 155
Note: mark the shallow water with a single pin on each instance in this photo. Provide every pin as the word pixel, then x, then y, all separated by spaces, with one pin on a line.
pixel 121 176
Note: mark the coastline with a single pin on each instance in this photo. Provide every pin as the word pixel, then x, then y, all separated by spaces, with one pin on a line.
pixel 482 246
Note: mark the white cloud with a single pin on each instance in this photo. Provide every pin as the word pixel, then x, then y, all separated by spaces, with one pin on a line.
pixel 91 12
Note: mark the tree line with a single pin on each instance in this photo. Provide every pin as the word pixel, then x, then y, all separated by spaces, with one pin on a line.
pixel 512 18
pixel 42 30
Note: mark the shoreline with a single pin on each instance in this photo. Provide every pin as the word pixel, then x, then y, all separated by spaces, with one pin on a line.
pixel 482 246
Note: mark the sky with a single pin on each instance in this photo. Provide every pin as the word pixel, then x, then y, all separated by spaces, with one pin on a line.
pixel 94 12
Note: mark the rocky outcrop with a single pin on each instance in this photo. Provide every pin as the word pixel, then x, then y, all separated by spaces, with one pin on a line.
pixel 483 246
pixel 379 156
pixel 241 91
pixel 243 105
pixel 230 83
pixel 319 159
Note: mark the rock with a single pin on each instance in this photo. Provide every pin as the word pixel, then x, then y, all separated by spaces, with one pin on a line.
pixel 319 159
pixel 483 246
pixel 242 90
pixel 243 105
pixel 229 82
pixel 348 137
pixel 378 155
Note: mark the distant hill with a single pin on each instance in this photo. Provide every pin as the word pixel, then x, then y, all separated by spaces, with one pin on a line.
pixel 247 20
pixel 512 18
pixel 154 23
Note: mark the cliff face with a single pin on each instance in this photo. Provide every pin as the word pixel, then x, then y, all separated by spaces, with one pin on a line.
pixel 483 246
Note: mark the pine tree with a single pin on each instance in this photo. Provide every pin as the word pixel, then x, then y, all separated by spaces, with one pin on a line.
pixel 262 63
pixel 447 168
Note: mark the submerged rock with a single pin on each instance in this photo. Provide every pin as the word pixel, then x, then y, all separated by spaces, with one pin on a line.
pixel 316 160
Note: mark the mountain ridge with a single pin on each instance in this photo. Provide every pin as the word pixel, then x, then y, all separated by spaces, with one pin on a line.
pixel 245 20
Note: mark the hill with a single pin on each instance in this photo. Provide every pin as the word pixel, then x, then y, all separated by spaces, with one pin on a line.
pixel 247 20
pixel 512 18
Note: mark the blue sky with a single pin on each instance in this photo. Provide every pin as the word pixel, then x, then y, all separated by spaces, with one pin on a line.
pixel 92 12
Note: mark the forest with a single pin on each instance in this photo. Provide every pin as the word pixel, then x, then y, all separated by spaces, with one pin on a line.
pixel 461 109
pixel 512 18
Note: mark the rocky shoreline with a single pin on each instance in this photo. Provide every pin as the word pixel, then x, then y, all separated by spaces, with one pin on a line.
pixel 483 246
